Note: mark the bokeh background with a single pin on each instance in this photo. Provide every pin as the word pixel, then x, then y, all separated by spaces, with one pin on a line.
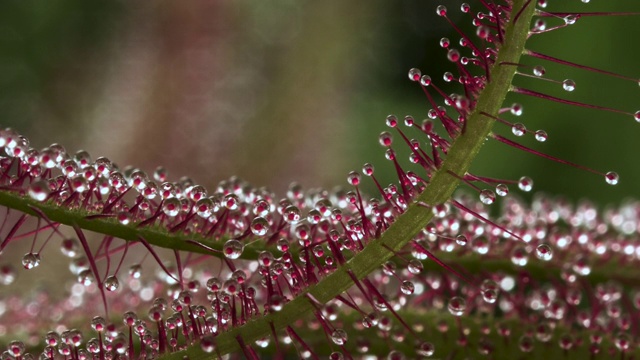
pixel 277 91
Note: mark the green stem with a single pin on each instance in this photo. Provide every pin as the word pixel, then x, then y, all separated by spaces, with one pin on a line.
pixel 154 235
pixel 412 221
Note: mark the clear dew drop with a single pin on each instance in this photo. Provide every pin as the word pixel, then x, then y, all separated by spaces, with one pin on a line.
pixel 171 207
pixel 453 55
pixel 291 214
pixel 367 169
pixel 525 184
pixel 622 341
pixel 7 275
pixel 135 271
pixel 207 344
pixel 569 85
pixel 231 202
pixel 612 178
pixel 385 139
pixel 70 247
pixel 339 337
pixel 259 226
pixel 502 190
pixel 232 249
pixel 426 349
pixel 78 184
pixel 539 71
pixel 517 109
pixel 283 245
pixel 544 332
pixel 457 306
pixel 111 283
pixel 407 287
pixel 541 135
pixel 544 252
pixel 566 340
pixel 525 343
pixel 414 74
pixel 336 355
pixel 487 196
pixel 16 349
pixel 160 174
pixel 489 290
pixel 353 178
pixel 98 323
pixel 465 7
pixel 518 129
pixel 85 277
pixel 395 355
pixel 261 208
pixel 539 25
pixel 124 217
pixel 519 256
pixel 39 190
pixel 415 267
pixel 441 10
pixel 204 207
pixel 461 240
pixel 263 342
pixel 391 121
pixel 480 245
pixel 31 260
pixel 581 266
pixel 409 121
pixel 570 20
pixel 483 32
pixel 425 80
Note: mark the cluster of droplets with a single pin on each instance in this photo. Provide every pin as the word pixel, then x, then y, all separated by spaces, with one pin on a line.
pixel 308 235
pixel 527 243
pixel 272 249
pixel 298 240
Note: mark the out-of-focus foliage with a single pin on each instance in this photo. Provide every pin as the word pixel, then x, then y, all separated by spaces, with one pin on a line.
pixel 290 90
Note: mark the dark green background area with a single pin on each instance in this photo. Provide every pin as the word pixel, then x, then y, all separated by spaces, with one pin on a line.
pixel 298 90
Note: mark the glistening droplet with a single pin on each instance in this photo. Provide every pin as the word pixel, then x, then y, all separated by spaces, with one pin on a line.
pixel 612 178
pixel 487 197
pixel 519 256
pixel 259 226
pixel 568 85
pixel 541 135
pixel 30 260
pixel 414 74
pixel 171 207
pixel 407 287
pixel 39 190
pixel 457 306
pixel 207 344
pixel 518 129
pixel 7 274
pixel 525 183
pixel 544 252
pixel 339 337
pixel 489 290
pixel 502 190
pixel 232 249
pixel 111 283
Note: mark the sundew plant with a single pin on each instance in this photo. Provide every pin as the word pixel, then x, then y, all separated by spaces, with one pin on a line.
pixel 165 268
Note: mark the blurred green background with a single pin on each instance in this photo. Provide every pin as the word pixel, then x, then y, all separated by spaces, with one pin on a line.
pixel 277 91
